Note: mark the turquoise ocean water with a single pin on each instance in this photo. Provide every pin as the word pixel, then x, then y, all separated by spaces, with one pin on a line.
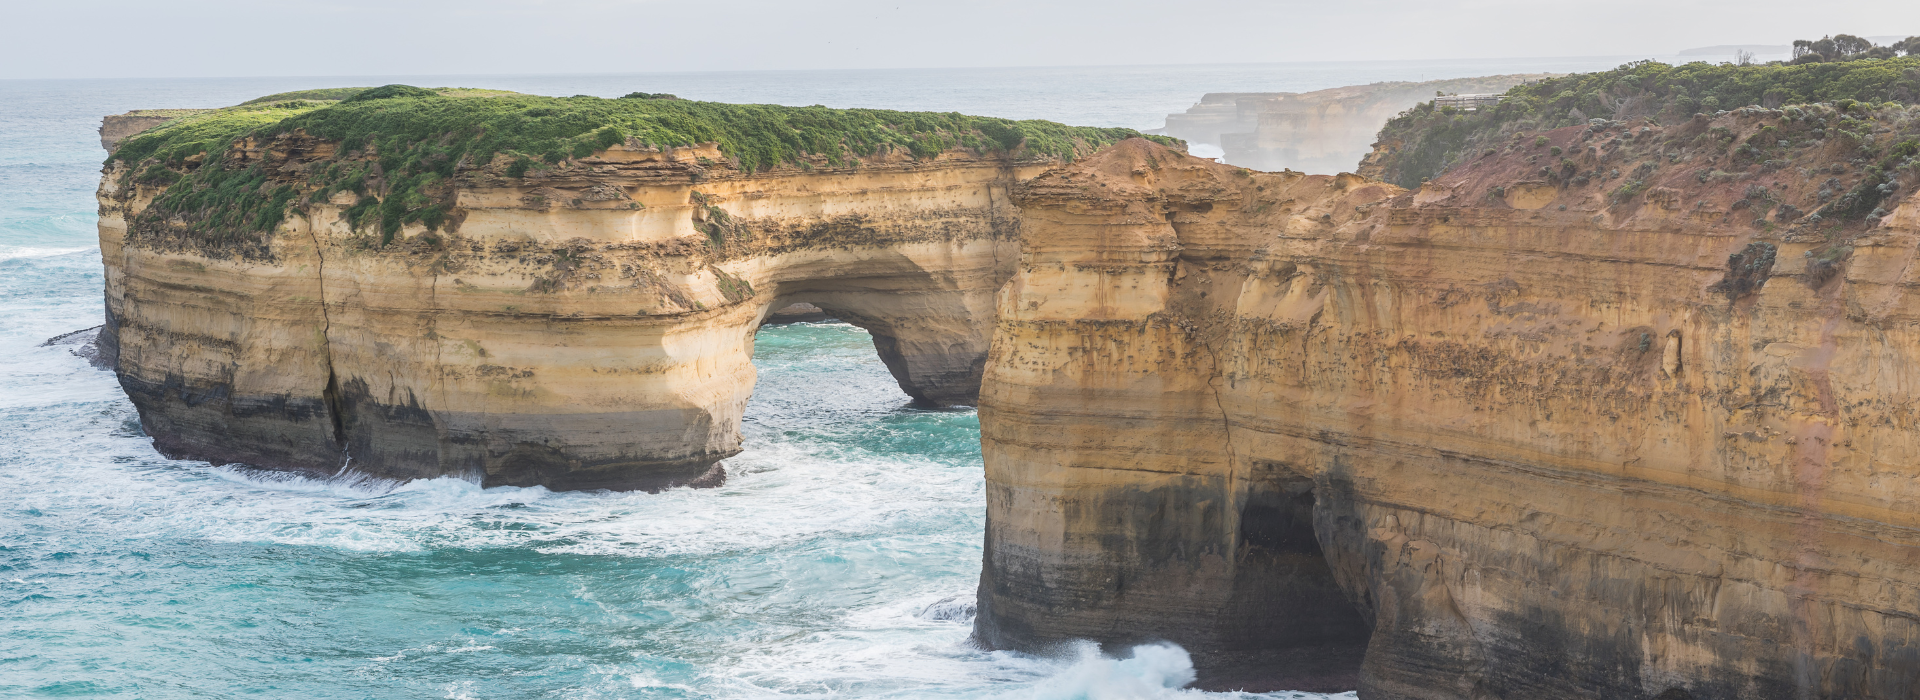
pixel 838 561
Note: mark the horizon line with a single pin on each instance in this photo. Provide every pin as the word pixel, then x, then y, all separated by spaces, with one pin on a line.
pixel 1625 57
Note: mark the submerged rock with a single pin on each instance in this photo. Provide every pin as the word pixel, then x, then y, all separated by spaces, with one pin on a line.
pixel 85 344
pixel 951 609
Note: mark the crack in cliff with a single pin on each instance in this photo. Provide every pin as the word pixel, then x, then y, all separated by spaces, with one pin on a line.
pixel 329 396
pixel 1226 431
pixel 1200 332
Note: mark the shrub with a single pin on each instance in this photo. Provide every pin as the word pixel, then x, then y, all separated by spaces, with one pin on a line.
pixel 1747 270
pixel 1628 191
pixel 388 92
pixel 1824 264
pixel 1429 141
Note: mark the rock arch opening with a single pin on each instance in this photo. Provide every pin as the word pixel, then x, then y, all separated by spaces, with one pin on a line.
pixel 1298 629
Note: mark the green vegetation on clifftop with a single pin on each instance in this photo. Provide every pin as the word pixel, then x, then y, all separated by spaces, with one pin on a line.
pixel 321 94
pixel 400 147
pixel 1424 141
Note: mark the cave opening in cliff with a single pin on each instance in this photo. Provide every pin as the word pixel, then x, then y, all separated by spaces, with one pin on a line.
pixel 1304 631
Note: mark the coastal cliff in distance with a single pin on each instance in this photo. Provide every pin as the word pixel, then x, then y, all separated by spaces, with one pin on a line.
pixel 1324 131
pixel 119 127
pixel 1631 420
pixel 537 291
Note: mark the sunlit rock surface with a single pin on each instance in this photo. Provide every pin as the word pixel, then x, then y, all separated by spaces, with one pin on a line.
pixel 1506 436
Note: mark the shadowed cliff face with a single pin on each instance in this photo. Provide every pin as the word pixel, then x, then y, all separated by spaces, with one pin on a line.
pixel 586 326
pixel 1500 437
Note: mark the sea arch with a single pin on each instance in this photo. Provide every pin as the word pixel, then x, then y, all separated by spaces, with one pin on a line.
pixel 584 327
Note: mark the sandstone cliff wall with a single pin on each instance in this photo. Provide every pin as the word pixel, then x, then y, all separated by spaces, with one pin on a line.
pixel 1545 441
pixel 587 326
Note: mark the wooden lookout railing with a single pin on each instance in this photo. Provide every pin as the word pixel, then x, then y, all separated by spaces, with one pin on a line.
pixel 1466 102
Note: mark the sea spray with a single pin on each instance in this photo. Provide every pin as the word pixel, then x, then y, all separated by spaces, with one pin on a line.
pixel 1160 671
pixel 1148 671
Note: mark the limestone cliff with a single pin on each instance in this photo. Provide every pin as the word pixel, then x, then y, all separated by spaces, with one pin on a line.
pixel 1639 426
pixel 584 322
pixel 1324 131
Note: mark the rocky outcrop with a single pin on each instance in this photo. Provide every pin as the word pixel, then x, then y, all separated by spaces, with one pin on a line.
pixel 583 326
pixel 1117 507
pixel 118 127
pixel 1637 429
pixel 1324 131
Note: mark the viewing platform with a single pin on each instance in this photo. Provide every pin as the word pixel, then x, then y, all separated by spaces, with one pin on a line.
pixel 1466 102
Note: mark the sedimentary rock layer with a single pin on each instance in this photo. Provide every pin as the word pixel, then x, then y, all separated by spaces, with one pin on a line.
pixel 584 326
pixel 1507 436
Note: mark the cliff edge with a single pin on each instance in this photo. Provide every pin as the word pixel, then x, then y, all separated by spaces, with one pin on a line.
pixel 1617 410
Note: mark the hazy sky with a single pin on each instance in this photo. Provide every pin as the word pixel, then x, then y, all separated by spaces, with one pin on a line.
pixel 146 38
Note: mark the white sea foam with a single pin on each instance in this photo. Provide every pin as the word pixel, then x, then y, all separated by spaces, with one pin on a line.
pixel 11 252
pixel 776 495
pixel 647 679
pixel 1150 671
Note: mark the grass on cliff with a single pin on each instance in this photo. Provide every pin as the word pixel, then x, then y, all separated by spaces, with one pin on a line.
pixel 400 146
pixel 1425 141
pixel 343 93
pixel 320 95
pixel 758 137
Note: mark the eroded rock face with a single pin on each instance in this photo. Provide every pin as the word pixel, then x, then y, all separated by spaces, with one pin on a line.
pixel 1496 438
pixel 588 326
